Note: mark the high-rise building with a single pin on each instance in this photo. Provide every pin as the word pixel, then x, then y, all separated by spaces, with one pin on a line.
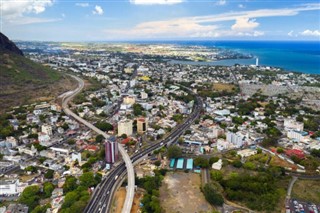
pixel 111 150
pixel 257 61
pixel 142 125
pixel 235 138
pixel 125 127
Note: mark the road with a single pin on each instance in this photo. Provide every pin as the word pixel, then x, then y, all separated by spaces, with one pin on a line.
pixel 293 180
pixel 129 167
pixel 105 190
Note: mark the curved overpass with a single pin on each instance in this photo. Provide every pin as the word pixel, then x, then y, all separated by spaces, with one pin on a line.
pixel 128 164
pixel 104 193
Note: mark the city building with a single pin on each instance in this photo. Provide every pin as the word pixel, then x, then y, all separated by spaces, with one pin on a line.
pixel 111 150
pixel 9 187
pixel 296 135
pixel 125 127
pixel 129 100
pixel 235 138
pixel 293 124
pixel 142 125
pixel 47 129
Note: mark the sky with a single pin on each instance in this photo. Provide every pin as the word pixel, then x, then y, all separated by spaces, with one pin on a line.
pixel 126 20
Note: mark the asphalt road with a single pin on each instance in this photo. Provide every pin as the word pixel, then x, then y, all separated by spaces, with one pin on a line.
pixel 128 165
pixel 103 194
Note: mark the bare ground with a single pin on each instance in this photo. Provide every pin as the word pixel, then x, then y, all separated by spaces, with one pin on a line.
pixel 180 192
pixel 119 201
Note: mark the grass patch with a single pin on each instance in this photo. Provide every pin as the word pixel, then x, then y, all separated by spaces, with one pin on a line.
pixel 307 190
pixel 223 87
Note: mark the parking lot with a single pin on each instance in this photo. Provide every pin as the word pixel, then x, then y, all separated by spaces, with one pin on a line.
pixel 296 206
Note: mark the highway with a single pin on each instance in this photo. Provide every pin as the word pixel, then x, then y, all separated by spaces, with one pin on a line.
pixel 102 197
pixel 125 166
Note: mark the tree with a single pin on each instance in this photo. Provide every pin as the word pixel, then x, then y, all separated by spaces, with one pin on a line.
pixel 124 136
pixel 280 150
pixel 181 140
pixel 237 164
pixel 157 163
pixel 174 151
pixel 31 169
pixel 70 184
pixel 87 179
pixel 201 162
pixel 104 126
pixel 49 174
pixel 71 141
pixel 216 175
pixel 212 160
pixel 30 197
pixel 212 195
pixel 48 188
pixel 41 209
pixel 99 138
pixel 137 109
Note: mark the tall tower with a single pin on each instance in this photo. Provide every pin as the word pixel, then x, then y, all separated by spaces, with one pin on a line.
pixel 257 61
pixel 111 150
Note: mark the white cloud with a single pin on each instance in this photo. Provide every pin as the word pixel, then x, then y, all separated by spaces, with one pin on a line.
pixel 244 24
pixel 14 9
pixel 311 33
pixel 151 2
pixel 241 6
pixel 82 4
pixel 221 2
pixel 292 34
pixel 204 26
pixel 97 10
pixel 16 12
pixel 63 15
pixel 31 20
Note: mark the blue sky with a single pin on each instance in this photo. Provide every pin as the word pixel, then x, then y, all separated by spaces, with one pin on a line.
pixel 70 20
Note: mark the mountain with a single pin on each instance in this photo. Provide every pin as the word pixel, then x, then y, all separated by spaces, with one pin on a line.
pixel 7 45
pixel 23 81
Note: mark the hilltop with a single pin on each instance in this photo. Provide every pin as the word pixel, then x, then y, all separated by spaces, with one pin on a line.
pixel 23 81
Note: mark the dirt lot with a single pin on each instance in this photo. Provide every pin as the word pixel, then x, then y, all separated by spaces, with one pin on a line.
pixel 307 190
pixel 119 200
pixel 276 161
pixel 223 87
pixel 180 192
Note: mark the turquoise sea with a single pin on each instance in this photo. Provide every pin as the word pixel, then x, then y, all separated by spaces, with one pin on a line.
pixel 297 56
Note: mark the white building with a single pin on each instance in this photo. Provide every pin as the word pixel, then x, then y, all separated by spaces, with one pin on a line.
pixel 76 156
pixel 144 95
pixel 125 127
pixel 12 141
pixel 222 145
pixel 235 138
pixel 292 124
pixel 129 100
pixel 296 135
pixel 47 129
pixel 9 187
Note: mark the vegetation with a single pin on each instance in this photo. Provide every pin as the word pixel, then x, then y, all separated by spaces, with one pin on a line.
pixel 201 162
pixel 212 195
pixel 137 109
pixel 174 151
pixel 150 201
pixel 104 126
pixel 30 197
pixel 258 192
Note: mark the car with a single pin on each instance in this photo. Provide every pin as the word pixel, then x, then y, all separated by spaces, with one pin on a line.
pixel 108 192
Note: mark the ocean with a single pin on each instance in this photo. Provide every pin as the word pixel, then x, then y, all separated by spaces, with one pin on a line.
pixel 296 56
